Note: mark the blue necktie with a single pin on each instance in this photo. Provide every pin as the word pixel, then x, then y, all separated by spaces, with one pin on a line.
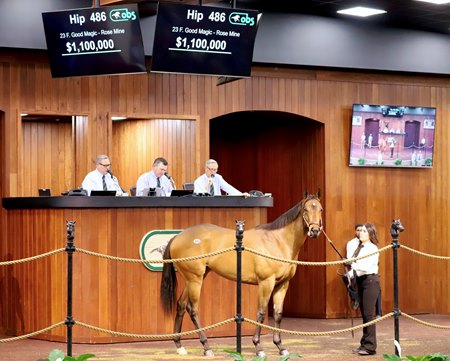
pixel 158 183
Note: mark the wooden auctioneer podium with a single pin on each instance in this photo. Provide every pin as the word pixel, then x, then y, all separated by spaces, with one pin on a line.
pixel 114 295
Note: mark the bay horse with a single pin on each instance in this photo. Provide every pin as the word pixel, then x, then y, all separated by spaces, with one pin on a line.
pixel 283 238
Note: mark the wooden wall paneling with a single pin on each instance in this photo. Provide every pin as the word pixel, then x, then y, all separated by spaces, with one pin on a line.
pixel 139 142
pixel 48 156
pixel 326 96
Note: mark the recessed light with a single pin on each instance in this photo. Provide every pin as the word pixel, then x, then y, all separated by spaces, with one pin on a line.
pixel 118 118
pixel 23 114
pixel 438 2
pixel 361 11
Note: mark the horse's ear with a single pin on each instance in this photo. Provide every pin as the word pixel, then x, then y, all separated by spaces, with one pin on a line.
pixel 318 193
pixel 306 193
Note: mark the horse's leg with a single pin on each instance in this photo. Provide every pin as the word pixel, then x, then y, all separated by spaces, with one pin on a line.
pixel 264 291
pixel 181 309
pixel 192 308
pixel 278 300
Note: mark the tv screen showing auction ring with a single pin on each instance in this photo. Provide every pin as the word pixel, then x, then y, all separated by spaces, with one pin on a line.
pixel 204 40
pixel 396 136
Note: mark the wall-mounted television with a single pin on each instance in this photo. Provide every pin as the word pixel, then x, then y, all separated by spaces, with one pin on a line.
pixel 94 41
pixel 204 40
pixel 392 136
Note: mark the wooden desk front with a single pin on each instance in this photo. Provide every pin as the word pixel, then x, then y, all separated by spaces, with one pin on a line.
pixel 114 295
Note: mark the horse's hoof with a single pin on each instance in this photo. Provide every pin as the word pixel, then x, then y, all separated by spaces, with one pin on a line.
pixel 261 354
pixel 284 352
pixel 181 351
pixel 209 353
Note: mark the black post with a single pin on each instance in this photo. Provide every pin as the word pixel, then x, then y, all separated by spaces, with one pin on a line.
pixel 239 248
pixel 70 248
pixel 396 228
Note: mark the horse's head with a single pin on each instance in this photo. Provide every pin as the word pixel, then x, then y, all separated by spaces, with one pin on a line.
pixel 312 215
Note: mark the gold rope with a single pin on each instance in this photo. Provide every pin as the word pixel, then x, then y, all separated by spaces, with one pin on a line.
pixel 32 258
pixel 185 259
pixel 324 333
pixel 303 263
pixel 10 339
pixel 424 254
pixel 168 335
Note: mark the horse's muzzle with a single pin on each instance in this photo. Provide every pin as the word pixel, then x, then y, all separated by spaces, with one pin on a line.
pixel 314 231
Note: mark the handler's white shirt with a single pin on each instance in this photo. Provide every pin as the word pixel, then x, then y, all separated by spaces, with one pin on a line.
pixel 365 266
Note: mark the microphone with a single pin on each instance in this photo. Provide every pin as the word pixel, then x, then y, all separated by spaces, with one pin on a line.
pixel 115 180
pixel 171 180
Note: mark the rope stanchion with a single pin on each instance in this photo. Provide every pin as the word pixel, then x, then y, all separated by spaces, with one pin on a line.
pixel 11 339
pixel 239 248
pixel 70 249
pixel 28 259
pixel 322 333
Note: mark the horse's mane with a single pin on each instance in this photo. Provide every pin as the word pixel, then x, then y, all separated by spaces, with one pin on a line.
pixel 287 217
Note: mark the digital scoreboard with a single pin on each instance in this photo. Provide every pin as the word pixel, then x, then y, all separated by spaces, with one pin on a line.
pixel 204 40
pixel 94 41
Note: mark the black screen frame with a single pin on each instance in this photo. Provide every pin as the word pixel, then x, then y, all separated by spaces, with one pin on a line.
pixel 120 35
pixel 172 23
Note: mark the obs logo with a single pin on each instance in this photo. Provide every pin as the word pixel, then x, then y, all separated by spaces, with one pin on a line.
pixel 241 19
pixel 122 15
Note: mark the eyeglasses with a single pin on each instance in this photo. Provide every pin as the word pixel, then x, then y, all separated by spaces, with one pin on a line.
pixel 213 169
pixel 105 165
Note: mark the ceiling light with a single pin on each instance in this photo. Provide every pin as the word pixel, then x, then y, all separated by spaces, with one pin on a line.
pixel 118 118
pixel 23 114
pixel 361 11
pixel 438 2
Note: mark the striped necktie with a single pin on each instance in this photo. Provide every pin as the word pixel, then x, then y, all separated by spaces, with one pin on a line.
pixel 211 188
pixel 105 188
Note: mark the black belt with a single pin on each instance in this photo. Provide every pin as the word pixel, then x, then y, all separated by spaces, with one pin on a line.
pixel 363 277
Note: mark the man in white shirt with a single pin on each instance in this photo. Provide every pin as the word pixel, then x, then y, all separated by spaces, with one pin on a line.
pixel 101 178
pixel 213 183
pixel 157 178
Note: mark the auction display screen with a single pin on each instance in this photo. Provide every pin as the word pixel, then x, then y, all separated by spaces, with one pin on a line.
pixel 94 41
pixel 204 40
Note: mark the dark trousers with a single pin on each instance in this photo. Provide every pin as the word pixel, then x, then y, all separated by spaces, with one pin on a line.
pixel 368 290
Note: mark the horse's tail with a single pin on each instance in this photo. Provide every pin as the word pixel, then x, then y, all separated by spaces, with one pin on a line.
pixel 168 289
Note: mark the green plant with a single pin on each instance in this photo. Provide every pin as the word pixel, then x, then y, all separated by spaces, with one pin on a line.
pixel 58 355
pixel 361 161
pixel 434 357
pixel 428 162
pixel 237 356
pixel 398 162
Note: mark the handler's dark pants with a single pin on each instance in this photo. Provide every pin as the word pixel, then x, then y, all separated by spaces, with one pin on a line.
pixel 369 290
